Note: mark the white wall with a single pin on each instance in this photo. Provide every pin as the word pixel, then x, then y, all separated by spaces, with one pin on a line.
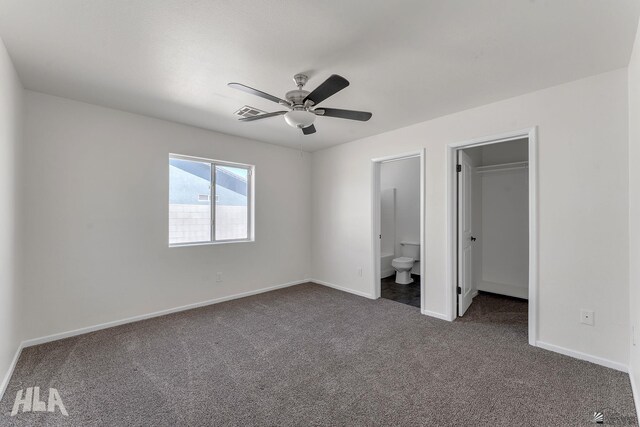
pixel 97 196
pixel 387 231
pixel 583 206
pixel 404 176
pixel 11 127
pixel 634 205
pixel 505 232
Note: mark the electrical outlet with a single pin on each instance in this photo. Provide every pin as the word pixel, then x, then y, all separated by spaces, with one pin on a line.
pixel 218 277
pixel 586 317
pixel 360 272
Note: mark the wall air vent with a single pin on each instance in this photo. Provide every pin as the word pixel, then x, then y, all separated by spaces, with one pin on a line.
pixel 248 111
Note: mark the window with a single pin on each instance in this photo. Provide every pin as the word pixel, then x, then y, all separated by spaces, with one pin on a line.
pixel 209 201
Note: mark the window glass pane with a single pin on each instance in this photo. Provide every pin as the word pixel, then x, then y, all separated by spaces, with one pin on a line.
pixel 189 204
pixel 231 203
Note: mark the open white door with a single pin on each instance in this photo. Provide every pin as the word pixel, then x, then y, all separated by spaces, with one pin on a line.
pixel 465 237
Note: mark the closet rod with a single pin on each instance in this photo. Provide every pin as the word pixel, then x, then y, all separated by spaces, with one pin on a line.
pixel 502 167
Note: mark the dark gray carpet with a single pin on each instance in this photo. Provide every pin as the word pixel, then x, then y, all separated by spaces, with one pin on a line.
pixel 310 355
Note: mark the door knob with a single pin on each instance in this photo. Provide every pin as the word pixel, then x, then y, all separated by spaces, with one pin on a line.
pixel 473 239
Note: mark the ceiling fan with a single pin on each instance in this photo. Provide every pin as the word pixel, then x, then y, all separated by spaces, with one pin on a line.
pixel 302 104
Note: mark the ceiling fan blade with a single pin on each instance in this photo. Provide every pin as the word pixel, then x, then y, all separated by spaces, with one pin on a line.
pixel 362 116
pixel 309 130
pixel 257 92
pixel 262 116
pixel 329 87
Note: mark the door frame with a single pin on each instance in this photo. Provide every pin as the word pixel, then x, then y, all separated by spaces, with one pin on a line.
pixel 452 223
pixel 375 218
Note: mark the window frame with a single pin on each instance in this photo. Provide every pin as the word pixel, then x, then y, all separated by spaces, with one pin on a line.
pixel 212 200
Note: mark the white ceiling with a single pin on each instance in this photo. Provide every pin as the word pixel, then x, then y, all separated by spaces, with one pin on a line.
pixel 407 61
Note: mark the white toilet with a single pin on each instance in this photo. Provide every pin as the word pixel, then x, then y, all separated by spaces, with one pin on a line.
pixel 404 264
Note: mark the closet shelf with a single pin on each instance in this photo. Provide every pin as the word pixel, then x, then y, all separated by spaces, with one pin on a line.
pixel 502 167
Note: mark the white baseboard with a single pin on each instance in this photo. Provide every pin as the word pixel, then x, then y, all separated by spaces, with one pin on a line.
pixel 387 273
pixel 54 337
pixel 12 367
pixel 583 356
pixel 503 289
pixel 437 315
pixel 634 390
pixel 343 289
pixel 80 331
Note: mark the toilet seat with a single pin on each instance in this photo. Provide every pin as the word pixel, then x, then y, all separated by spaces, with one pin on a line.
pixel 403 262
pixel 403 266
pixel 404 259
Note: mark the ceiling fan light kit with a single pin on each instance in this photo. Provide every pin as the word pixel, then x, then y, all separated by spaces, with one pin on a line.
pixel 301 103
pixel 299 118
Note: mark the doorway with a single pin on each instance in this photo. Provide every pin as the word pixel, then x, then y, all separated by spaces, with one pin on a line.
pixel 398 228
pixel 492 226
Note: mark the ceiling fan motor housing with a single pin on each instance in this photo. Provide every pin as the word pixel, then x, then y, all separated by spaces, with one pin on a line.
pixel 296 97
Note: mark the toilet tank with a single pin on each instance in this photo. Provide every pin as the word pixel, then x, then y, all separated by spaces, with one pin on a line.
pixel 411 250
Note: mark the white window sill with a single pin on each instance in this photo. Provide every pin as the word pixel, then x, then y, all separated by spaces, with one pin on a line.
pixel 221 242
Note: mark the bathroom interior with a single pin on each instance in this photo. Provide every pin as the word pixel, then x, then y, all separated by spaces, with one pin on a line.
pixel 400 230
